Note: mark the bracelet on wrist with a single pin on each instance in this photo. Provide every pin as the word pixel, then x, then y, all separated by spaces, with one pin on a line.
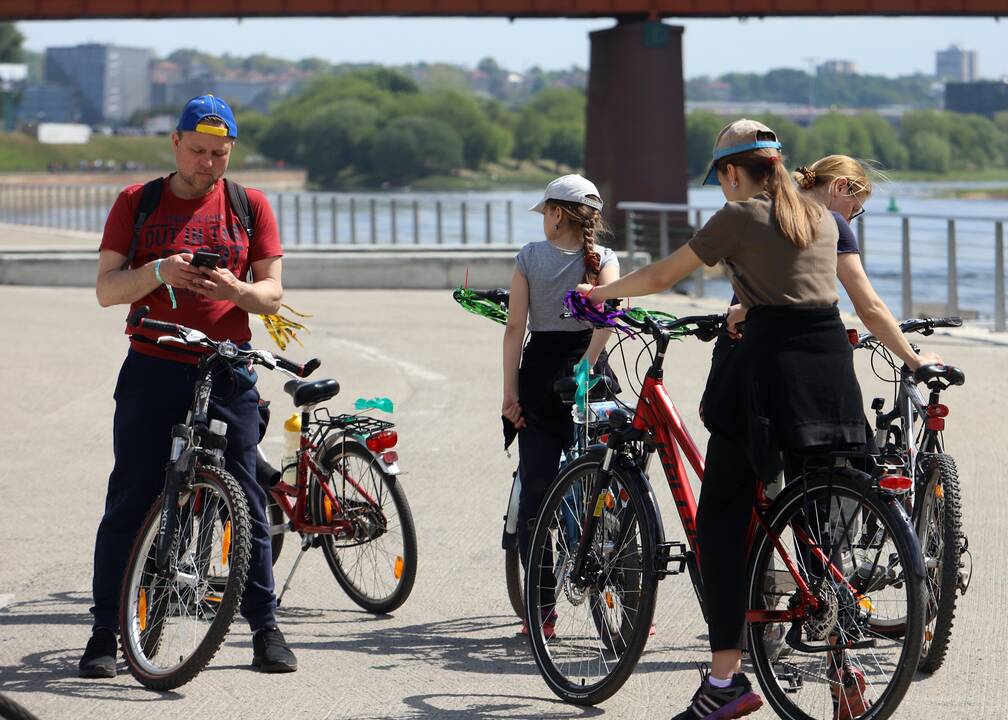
pixel 157 275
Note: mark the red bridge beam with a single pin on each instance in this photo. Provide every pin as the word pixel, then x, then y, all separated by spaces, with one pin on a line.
pixel 72 9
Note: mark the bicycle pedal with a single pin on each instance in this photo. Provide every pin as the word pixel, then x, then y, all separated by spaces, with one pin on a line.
pixel 668 554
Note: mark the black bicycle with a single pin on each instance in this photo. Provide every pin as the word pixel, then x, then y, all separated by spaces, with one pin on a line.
pixel 187 569
pixel 912 431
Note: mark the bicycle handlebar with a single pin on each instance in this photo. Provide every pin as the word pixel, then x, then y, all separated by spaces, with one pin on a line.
pixel 189 336
pixel 925 326
pixel 705 327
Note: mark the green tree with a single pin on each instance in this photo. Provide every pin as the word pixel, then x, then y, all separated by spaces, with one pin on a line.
pixel 887 148
pixel 929 152
pixel 531 135
pixel 11 40
pixel 413 147
pixel 566 144
pixel 337 140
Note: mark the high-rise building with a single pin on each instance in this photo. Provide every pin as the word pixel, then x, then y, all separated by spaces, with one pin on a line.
pixel 837 67
pixel 111 82
pixel 956 65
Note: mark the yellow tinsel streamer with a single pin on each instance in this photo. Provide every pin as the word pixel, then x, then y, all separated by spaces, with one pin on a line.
pixel 283 329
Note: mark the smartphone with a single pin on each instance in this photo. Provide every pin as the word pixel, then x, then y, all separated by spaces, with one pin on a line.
pixel 202 258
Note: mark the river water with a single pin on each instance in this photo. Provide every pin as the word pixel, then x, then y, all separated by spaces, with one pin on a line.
pixel 394 215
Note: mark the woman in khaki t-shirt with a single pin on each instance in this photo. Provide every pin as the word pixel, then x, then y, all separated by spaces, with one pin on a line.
pixel 791 385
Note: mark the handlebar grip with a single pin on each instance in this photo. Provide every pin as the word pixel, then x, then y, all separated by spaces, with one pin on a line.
pixel 137 314
pixel 159 325
pixel 300 370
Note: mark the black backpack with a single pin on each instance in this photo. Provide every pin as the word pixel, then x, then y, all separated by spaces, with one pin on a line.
pixel 150 197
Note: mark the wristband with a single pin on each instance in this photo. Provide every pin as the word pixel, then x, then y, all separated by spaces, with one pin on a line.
pixel 157 274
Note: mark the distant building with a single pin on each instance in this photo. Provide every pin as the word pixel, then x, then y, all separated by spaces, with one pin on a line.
pixel 837 67
pixel 48 103
pixel 979 98
pixel 956 65
pixel 111 82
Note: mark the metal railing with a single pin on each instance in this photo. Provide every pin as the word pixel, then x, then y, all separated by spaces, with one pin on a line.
pixel 919 263
pixel 304 218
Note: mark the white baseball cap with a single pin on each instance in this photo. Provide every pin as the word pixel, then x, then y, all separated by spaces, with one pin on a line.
pixel 573 188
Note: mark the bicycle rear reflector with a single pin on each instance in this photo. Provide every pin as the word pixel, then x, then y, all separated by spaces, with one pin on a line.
pixel 895 483
pixel 382 441
pixel 390 457
pixel 852 336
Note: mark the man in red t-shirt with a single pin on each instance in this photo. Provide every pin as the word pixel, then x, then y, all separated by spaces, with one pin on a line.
pixel 155 385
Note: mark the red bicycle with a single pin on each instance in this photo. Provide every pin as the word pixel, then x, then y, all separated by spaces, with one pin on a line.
pixel 811 638
pixel 346 499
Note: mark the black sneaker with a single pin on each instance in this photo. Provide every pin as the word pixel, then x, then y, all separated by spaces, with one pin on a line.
pixel 99 658
pixel 714 703
pixel 270 652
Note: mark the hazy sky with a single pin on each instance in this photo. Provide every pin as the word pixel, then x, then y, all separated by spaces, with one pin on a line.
pixel 886 46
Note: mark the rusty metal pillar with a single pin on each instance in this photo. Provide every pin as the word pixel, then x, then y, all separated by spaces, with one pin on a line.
pixel 635 144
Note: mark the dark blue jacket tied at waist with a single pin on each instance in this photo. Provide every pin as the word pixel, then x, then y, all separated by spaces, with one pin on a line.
pixel 787 386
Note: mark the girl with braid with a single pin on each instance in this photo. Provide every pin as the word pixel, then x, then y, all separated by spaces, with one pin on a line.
pixel 544 272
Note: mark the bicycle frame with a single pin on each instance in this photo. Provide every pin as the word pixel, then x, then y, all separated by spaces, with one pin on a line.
pixel 307 468
pixel 658 421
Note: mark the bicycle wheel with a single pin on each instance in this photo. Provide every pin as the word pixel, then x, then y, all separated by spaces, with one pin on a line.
pixel 275 517
pixel 513 579
pixel 173 623
pixel 803 674
pixel 587 638
pixel 376 563
pixel 939 529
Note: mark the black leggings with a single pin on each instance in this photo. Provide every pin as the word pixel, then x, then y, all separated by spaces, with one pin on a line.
pixel 723 515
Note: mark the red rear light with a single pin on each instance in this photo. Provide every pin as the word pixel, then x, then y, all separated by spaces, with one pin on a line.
pixel 937 410
pixel 604 438
pixel 852 336
pixel 382 441
pixel 896 483
pixel 390 457
pixel 935 423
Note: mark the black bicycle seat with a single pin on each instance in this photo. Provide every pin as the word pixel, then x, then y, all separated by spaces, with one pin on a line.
pixel 311 393
pixel 952 375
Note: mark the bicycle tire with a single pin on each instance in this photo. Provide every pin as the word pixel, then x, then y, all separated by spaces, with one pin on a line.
pixel 773 663
pixel 638 514
pixel 10 710
pixel 403 565
pixel 237 549
pixel 513 579
pixel 940 509
pixel 275 516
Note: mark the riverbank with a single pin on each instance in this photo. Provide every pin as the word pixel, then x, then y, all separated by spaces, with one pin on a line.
pixel 261 179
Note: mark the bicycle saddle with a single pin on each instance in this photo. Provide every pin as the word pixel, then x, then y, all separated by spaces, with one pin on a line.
pixel 927 373
pixel 311 393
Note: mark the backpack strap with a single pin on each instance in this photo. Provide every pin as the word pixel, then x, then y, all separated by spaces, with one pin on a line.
pixel 150 196
pixel 243 209
pixel 240 204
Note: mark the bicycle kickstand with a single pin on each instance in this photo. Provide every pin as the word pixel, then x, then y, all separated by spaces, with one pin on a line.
pixel 306 543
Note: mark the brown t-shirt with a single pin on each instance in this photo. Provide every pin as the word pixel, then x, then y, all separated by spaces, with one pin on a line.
pixel 766 268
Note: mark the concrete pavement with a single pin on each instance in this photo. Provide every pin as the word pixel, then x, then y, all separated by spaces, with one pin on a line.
pixel 451 650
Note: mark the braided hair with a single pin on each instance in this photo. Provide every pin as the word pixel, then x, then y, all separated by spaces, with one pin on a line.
pixel 591 223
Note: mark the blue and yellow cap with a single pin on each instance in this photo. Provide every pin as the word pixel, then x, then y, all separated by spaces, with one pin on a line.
pixel 206 107
pixel 740 136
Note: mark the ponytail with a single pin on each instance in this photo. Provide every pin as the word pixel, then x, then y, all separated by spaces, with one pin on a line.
pixel 590 221
pixel 797 215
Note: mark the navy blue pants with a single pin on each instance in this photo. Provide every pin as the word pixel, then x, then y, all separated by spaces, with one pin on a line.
pixel 153 394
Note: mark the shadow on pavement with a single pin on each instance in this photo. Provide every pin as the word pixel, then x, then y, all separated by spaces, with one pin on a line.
pixel 468 706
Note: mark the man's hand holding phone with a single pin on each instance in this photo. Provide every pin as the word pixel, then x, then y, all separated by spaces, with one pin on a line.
pixel 216 283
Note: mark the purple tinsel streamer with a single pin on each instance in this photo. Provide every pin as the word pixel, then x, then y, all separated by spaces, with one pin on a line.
pixel 581 308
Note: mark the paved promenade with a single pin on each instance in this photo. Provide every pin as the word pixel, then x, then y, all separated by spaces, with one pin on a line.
pixel 451 651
